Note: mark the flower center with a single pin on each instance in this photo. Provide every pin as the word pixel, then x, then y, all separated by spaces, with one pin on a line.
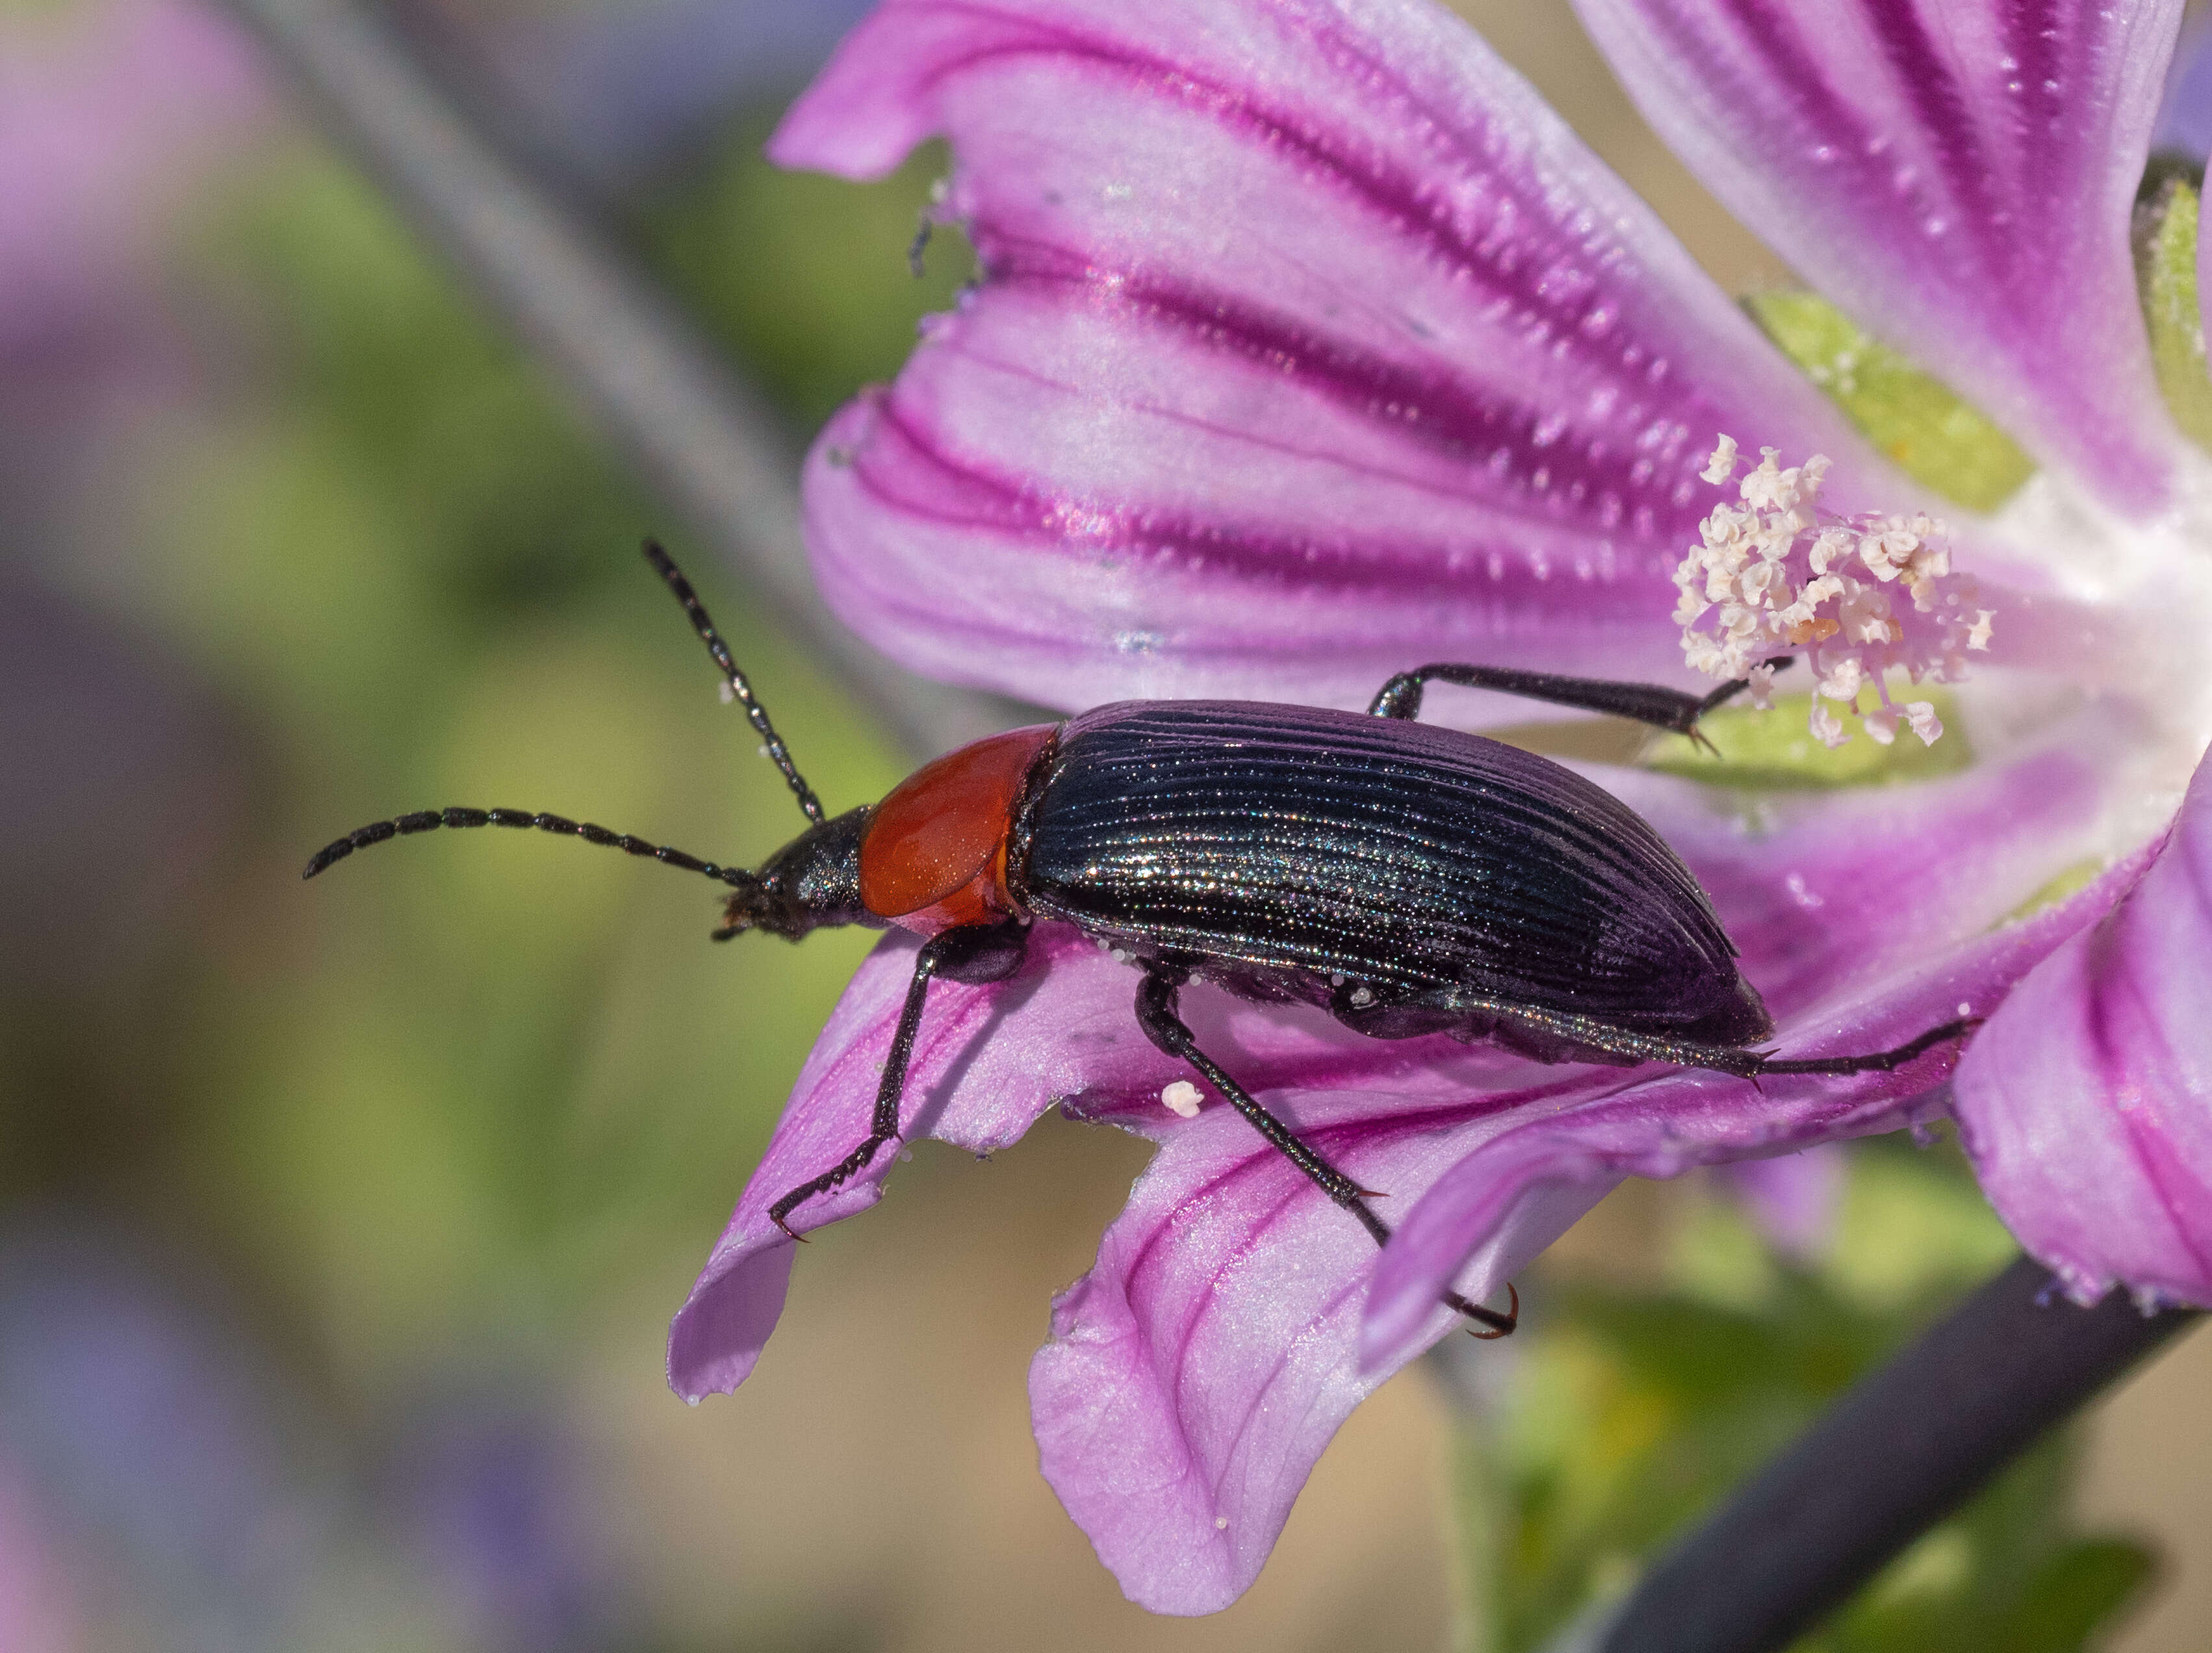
pixel 1777 576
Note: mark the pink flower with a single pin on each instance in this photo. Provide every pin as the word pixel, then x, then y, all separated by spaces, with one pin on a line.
pixel 1311 346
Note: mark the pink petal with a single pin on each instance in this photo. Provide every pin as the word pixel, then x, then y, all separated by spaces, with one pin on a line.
pixel 1678 1119
pixel 2086 1104
pixel 1824 893
pixel 1194 1375
pixel 989 1060
pixel 1956 173
pixel 1312 344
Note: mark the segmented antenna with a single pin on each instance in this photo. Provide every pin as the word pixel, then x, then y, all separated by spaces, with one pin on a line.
pixel 666 565
pixel 430 819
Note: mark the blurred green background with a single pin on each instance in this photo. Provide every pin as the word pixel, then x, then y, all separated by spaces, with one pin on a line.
pixel 340 1223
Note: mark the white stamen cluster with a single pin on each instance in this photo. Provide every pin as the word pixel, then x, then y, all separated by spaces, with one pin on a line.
pixel 1778 576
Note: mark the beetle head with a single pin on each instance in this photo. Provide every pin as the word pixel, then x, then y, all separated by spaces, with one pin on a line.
pixel 812 883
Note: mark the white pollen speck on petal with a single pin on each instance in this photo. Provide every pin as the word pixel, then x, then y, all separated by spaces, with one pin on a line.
pixel 1221 1523
pixel 1182 1099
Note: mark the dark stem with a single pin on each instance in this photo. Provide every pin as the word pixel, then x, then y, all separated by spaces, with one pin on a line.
pixel 702 440
pixel 1895 1455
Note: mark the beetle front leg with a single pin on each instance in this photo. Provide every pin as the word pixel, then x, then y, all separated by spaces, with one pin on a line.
pixel 977 953
pixel 1646 702
pixel 1164 1027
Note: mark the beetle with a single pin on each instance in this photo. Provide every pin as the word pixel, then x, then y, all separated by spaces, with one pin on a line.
pixel 1406 878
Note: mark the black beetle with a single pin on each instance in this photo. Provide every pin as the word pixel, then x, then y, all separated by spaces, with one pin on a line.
pixel 1407 878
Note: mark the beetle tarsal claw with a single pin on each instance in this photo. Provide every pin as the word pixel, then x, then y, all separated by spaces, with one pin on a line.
pixel 1499 1325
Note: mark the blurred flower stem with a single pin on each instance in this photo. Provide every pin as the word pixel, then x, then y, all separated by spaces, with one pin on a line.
pixel 698 435
pixel 1902 1448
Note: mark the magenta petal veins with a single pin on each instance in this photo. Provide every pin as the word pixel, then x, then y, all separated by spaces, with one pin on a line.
pixel 989 1061
pixel 1828 893
pixel 1196 1374
pixel 1958 174
pixel 1310 344
pixel 2087 1102
pixel 1677 1120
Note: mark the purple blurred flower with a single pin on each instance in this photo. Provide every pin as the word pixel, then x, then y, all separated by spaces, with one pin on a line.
pixel 39 1612
pixel 156 1451
pixel 502 1498
pixel 101 111
pixel 1792 1197
pixel 1312 346
pixel 2184 121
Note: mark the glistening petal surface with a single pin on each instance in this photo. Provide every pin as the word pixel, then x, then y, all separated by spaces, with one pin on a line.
pixel 1956 173
pixel 988 1061
pixel 1311 344
pixel 1196 1374
pixel 1679 1119
pixel 2086 1104
pixel 1825 893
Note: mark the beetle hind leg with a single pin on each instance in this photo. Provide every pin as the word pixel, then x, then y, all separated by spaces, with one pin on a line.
pixel 1157 1014
pixel 1581 1038
pixel 1878 1062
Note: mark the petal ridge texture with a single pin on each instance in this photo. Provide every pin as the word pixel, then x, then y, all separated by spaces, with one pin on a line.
pixel 1310 343
pixel 1957 174
pixel 2086 1104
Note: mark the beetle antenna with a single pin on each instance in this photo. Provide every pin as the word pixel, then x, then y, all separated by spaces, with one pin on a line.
pixel 735 686
pixel 428 819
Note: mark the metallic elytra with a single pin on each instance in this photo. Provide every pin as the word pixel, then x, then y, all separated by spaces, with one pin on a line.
pixel 1293 853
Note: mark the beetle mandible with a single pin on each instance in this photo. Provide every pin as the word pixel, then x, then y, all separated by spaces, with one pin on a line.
pixel 1407 878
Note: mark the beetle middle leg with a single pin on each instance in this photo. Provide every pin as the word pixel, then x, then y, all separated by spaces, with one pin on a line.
pixel 1646 702
pixel 1164 1027
pixel 980 952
